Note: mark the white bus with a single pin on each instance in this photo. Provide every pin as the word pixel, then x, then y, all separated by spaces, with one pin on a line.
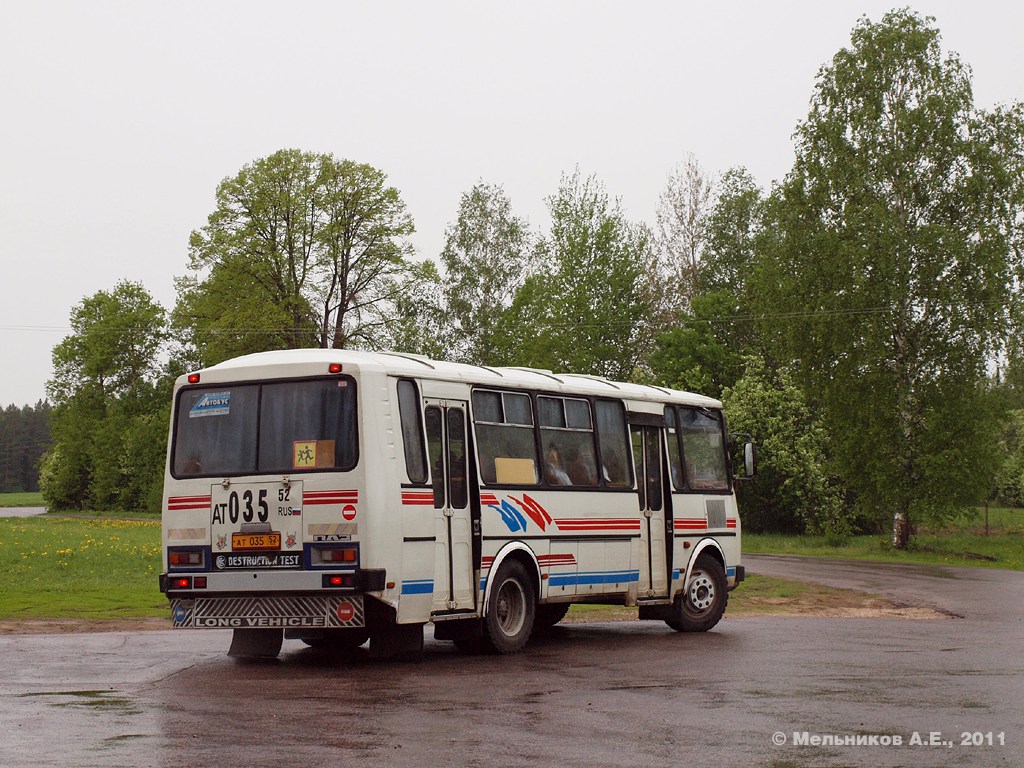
pixel 338 497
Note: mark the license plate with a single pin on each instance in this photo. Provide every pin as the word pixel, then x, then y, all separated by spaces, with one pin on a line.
pixel 245 542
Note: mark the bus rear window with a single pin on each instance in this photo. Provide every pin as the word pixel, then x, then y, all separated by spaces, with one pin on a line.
pixel 215 431
pixel 286 426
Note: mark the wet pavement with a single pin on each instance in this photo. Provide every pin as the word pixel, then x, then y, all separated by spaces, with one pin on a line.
pixel 22 511
pixel 589 695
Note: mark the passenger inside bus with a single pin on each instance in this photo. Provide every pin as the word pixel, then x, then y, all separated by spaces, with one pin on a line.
pixel 583 467
pixel 553 469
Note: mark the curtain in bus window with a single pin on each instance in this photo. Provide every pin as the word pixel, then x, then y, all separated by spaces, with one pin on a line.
pixel 504 438
pixel 215 431
pixel 611 434
pixel 308 425
pixel 412 433
pixel 703 450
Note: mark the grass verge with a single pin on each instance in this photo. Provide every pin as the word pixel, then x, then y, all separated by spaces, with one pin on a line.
pixel 962 542
pixel 27 499
pixel 81 569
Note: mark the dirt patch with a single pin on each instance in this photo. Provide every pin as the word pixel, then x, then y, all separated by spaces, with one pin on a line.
pixel 812 600
pixel 69 626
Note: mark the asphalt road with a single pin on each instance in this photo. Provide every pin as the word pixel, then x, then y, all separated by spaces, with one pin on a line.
pixel 22 511
pixel 612 694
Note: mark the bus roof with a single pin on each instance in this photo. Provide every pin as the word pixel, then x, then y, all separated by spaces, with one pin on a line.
pixel 290 363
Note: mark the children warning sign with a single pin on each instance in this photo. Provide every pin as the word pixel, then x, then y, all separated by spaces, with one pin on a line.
pixel 313 454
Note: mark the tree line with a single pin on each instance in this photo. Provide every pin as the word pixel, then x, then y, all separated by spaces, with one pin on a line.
pixel 858 318
pixel 24 438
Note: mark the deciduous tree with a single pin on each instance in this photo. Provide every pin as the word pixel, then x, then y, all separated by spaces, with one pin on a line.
pixel 898 252
pixel 596 312
pixel 486 258
pixel 109 421
pixel 301 250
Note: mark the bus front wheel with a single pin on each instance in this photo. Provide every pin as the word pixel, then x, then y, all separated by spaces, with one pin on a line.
pixel 700 606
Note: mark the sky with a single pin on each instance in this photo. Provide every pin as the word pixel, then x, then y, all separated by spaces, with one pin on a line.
pixel 119 119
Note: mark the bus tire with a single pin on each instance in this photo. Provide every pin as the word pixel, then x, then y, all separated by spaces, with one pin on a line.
pixel 700 606
pixel 255 644
pixel 511 609
pixel 550 614
pixel 470 640
pixel 335 640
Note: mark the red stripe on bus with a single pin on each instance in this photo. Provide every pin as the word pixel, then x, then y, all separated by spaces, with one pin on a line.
pixel 691 524
pixel 598 525
pixel 330 497
pixel 181 503
pixel 418 499
pixel 551 561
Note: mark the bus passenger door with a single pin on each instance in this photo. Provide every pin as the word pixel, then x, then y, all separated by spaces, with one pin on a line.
pixel 647 455
pixel 453 562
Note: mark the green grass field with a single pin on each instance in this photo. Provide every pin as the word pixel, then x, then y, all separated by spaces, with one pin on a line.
pixel 963 542
pixel 22 500
pixel 86 569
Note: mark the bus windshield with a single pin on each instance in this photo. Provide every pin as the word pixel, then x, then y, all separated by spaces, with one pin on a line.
pixel 279 427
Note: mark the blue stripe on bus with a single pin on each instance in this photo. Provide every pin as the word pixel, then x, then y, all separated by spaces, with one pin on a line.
pixel 729 573
pixel 418 587
pixel 593 577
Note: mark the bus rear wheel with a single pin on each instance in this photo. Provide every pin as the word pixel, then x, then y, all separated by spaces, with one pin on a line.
pixel 550 614
pixel 700 606
pixel 511 609
pixel 334 640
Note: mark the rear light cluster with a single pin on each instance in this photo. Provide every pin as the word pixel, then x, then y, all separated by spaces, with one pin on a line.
pixel 338 580
pixel 187 582
pixel 345 554
pixel 186 559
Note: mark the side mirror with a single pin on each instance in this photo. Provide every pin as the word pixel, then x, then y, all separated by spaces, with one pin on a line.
pixel 749 459
pixel 749 456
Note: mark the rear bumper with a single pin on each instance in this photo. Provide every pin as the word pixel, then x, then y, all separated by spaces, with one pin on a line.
pixel 268 612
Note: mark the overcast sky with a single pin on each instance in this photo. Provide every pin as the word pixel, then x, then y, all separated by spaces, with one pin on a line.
pixel 119 119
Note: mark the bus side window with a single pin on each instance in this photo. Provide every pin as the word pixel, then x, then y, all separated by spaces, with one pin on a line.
pixel 435 447
pixel 505 438
pixel 611 433
pixel 412 431
pixel 458 489
pixel 703 449
pixel 675 457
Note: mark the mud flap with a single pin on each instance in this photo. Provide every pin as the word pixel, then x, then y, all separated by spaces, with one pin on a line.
pixel 256 643
pixel 397 642
pixel 390 640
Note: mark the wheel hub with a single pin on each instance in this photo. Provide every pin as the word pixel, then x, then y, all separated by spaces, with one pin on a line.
pixel 702 591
